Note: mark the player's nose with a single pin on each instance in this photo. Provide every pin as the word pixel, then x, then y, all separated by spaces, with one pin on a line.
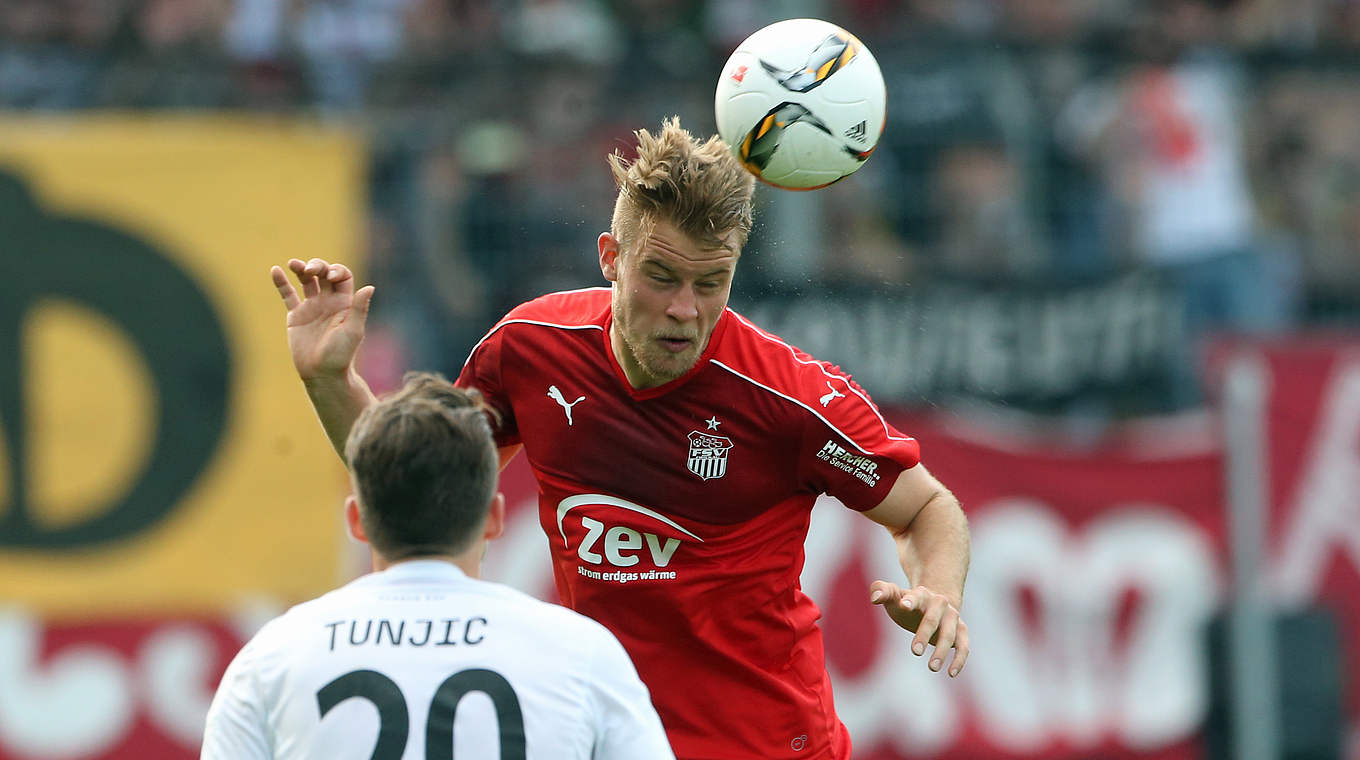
pixel 684 305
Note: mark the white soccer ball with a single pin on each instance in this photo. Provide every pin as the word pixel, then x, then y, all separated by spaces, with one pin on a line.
pixel 801 103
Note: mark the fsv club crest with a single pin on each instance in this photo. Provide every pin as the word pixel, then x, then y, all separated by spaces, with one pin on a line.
pixel 708 454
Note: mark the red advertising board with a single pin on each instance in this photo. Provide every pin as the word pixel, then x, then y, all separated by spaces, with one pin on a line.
pixel 1094 573
pixel 1092 576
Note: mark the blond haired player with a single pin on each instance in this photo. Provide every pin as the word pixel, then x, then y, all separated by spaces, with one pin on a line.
pixel 678 450
pixel 420 659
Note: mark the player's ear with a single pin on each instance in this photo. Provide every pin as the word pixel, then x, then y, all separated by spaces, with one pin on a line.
pixel 495 518
pixel 609 256
pixel 356 526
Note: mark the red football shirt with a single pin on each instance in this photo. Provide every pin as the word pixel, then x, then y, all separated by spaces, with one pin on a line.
pixel 677 515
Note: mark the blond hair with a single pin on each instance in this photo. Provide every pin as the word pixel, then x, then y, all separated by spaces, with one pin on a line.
pixel 699 187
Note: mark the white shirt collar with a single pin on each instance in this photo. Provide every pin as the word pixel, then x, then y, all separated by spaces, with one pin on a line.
pixel 417 571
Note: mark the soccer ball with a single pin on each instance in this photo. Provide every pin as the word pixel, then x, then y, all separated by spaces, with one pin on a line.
pixel 801 103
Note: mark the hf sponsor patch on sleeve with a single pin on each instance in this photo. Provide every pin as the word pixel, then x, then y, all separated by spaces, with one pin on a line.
pixel 861 467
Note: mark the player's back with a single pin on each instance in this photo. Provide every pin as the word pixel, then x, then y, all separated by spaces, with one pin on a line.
pixel 420 661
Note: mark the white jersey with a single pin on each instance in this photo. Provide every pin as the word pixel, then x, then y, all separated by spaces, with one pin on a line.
pixel 419 661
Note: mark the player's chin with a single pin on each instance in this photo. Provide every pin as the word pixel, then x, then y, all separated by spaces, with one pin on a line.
pixel 668 367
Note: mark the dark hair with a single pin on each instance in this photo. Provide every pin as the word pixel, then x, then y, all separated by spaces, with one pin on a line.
pixel 425 466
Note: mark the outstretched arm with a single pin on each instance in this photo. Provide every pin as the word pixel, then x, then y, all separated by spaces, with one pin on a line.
pixel 325 328
pixel 931 534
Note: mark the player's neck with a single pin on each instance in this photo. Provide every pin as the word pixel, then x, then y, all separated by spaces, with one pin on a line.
pixel 469 562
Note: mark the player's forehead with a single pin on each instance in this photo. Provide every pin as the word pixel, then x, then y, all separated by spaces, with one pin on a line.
pixel 665 246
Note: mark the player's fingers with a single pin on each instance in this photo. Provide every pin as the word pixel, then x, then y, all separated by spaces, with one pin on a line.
pixel 914 598
pixel 944 638
pixel 311 287
pixel 338 273
pixel 930 623
pixel 362 299
pixel 306 276
pixel 285 288
pixel 882 592
pixel 316 272
pixel 338 279
pixel 960 650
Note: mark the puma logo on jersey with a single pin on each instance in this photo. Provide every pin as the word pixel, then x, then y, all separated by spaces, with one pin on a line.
pixel 556 395
pixel 832 396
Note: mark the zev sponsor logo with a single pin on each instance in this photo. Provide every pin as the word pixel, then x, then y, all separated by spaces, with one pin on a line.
pixel 619 541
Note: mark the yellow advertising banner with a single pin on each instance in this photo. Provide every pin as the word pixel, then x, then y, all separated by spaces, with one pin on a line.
pixel 157 452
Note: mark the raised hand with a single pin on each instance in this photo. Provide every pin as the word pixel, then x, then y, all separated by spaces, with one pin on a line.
pixel 325 324
pixel 932 616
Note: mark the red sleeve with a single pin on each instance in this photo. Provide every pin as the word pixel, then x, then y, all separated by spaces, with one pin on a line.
pixel 848 449
pixel 483 372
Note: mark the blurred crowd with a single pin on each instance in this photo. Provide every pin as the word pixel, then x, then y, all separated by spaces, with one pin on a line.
pixel 1030 143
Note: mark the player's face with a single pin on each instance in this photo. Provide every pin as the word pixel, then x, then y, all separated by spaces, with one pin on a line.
pixel 668 295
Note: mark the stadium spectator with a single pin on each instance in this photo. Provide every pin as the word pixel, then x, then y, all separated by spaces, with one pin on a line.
pixel 948 94
pixel 1167 135
pixel 255 40
pixel 986 234
pixel 678 451
pixel 53 55
pixel 422 631
pixel 342 42
pixel 872 258
pixel 169 54
pixel 1308 169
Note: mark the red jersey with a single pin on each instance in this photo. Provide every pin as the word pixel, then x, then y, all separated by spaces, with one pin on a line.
pixel 677 515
